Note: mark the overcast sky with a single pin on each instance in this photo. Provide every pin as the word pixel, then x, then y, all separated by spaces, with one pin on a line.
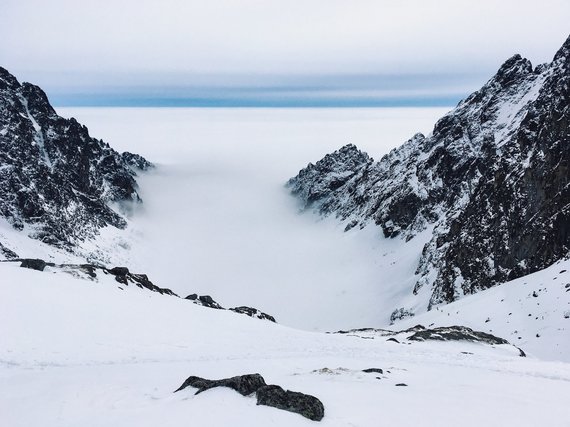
pixel 102 51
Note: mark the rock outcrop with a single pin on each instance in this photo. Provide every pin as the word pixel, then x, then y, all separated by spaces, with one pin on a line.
pixel 456 333
pixel 269 395
pixel 208 301
pixel 491 183
pixel 121 275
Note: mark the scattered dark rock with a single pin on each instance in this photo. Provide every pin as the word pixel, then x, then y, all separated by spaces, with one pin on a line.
pixel 208 301
pixel 521 352
pixel 304 404
pixel 534 294
pixel 401 385
pixel 122 274
pixel 373 370
pixel 456 333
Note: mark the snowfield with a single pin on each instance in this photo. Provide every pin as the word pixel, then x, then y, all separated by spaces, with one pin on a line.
pixel 81 352
pixel 532 312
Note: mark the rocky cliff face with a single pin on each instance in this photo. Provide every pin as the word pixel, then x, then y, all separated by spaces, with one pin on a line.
pixel 56 182
pixel 492 182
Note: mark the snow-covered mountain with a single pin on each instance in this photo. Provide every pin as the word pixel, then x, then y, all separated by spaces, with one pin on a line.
pixel 57 183
pixel 490 184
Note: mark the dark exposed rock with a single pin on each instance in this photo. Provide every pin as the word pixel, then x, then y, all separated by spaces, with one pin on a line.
pixel 204 300
pixel 401 385
pixel 456 333
pixel 393 340
pixel 253 312
pixel 122 274
pixel 373 370
pixel 492 181
pixel 269 395
pixel 119 271
pixel 54 176
pixel 381 332
pixel 208 301
pixel 304 404
pixel 243 384
pixel 34 264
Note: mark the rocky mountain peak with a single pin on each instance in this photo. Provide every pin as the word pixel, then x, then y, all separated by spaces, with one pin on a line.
pixel 56 181
pixel 513 69
pixel 7 80
pixel 491 182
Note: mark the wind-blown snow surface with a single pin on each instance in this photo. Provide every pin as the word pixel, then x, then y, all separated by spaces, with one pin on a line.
pixel 76 352
pixel 217 219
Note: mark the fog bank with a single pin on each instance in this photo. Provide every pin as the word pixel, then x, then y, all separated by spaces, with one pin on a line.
pixel 217 219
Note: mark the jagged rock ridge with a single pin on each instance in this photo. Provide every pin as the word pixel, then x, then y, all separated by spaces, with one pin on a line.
pixel 56 181
pixel 124 276
pixel 492 181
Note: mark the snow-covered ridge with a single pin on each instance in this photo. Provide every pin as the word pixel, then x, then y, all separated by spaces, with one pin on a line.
pixel 491 181
pixel 57 183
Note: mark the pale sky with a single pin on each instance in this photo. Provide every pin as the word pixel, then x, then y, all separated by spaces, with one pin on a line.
pixel 250 49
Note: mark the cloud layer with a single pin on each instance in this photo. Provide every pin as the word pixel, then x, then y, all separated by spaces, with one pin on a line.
pixel 176 43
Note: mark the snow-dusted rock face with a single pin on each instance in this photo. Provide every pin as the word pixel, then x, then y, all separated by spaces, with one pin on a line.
pixel 56 181
pixel 492 181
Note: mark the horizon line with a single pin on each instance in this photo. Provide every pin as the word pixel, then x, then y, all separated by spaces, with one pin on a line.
pixel 215 102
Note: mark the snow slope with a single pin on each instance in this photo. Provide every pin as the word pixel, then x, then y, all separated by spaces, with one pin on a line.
pixel 532 312
pixel 79 352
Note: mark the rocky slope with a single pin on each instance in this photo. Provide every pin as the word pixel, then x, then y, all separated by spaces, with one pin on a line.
pixel 57 183
pixel 491 181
